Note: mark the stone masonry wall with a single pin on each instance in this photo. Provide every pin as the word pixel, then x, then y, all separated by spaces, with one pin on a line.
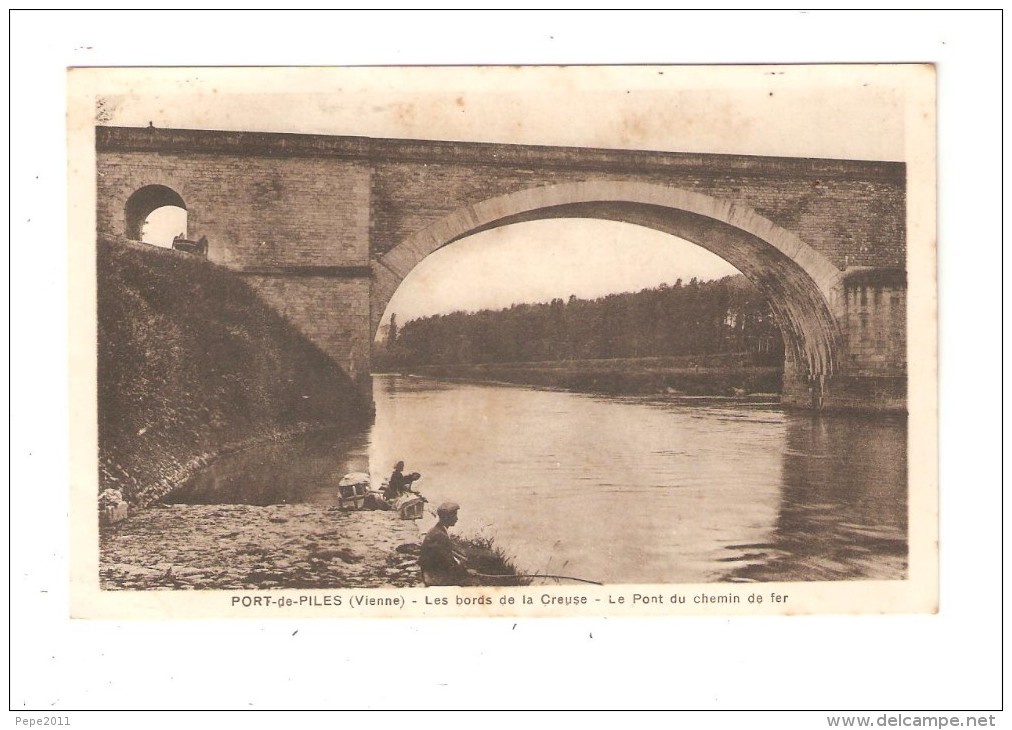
pixel 851 221
pixel 278 199
pixel 267 216
pixel 331 312
pixel 852 215
pixel 875 327
pixel 255 211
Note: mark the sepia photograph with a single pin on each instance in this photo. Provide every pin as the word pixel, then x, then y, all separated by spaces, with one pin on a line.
pixel 488 360
pixel 405 328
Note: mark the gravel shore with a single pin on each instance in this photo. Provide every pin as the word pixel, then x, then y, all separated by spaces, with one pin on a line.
pixel 236 547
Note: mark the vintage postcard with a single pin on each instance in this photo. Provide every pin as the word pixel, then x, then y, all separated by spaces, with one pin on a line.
pixel 503 341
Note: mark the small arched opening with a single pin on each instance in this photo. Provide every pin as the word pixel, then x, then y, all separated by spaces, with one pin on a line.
pixel 156 214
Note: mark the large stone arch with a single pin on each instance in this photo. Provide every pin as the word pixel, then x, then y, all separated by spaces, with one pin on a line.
pixel 804 288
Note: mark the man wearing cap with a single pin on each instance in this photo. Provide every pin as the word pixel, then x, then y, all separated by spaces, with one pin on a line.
pixel 438 563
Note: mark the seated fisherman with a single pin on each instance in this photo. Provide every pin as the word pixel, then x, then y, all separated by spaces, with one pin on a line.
pixel 399 482
pixel 440 567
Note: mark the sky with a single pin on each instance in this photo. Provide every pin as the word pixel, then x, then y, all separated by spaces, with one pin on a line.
pixel 852 112
pixel 546 260
pixel 856 113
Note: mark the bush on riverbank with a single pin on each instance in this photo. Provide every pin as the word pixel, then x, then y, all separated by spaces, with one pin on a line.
pixel 482 555
pixel 191 362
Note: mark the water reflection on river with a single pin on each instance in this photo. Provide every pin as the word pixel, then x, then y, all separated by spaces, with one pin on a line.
pixel 619 489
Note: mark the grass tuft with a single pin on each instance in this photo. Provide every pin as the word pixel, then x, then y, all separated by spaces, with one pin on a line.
pixel 482 555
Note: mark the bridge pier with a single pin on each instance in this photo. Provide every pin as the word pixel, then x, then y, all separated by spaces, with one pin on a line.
pixel 879 393
pixel 872 371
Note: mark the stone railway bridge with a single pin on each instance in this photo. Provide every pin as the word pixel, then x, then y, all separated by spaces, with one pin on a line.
pixel 325 229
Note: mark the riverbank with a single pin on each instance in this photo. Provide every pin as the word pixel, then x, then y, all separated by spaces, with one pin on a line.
pixel 247 547
pixel 193 364
pixel 236 547
pixel 727 376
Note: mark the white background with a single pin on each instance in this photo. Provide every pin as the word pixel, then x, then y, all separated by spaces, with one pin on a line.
pixel 950 661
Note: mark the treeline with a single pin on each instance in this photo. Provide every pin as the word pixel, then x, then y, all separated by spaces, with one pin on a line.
pixel 698 318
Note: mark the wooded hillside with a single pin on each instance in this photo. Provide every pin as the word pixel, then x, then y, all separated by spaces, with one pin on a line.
pixel 698 318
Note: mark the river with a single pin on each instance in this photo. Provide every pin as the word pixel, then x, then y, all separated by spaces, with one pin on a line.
pixel 617 489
